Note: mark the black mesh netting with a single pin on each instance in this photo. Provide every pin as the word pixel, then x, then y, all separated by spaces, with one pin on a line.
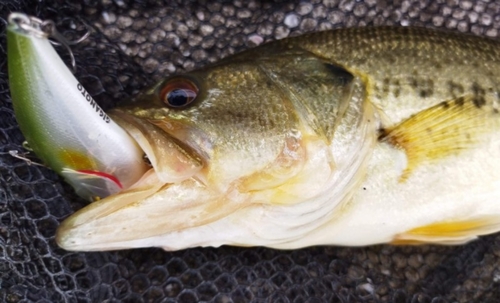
pixel 132 45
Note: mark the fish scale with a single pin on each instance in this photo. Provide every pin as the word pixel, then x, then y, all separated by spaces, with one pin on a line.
pixel 413 62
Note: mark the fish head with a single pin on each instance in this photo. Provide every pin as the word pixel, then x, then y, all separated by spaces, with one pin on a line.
pixel 226 122
pixel 223 141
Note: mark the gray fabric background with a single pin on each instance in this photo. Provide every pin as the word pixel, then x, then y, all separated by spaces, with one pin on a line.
pixel 132 45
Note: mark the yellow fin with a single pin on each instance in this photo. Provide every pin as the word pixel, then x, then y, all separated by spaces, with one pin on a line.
pixel 442 130
pixel 451 233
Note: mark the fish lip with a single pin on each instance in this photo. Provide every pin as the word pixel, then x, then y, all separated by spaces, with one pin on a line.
pixel 192 137
pixel 76 233
pixel 177 139
pixel 80 232
pixel 69 238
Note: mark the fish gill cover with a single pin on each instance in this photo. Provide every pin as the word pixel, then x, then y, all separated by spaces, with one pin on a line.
pixel 135 44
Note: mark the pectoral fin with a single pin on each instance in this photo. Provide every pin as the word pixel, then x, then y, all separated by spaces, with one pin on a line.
pixel 451 233
pixel 443 130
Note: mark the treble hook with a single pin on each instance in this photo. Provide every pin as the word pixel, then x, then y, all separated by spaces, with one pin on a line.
pixel 47 29
pixel 17 155
pixel 50 27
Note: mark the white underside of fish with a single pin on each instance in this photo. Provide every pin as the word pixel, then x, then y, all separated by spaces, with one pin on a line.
pixel 382 209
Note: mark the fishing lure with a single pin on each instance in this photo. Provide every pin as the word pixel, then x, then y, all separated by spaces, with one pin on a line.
pixel 60 120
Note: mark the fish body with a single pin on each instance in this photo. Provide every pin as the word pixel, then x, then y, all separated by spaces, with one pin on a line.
pixel 346 137
pixel 62 123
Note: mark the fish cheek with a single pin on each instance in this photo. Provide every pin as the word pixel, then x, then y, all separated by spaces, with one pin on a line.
pixel 318 91
pixel 287 165
pixel 247 119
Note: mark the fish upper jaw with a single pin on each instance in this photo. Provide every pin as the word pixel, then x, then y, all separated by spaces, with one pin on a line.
pixel 172 160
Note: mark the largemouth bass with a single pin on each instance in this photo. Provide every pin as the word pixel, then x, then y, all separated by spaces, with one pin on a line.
pixel 347 137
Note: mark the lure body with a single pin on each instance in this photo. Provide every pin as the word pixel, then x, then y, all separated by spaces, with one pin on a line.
pixel 63 124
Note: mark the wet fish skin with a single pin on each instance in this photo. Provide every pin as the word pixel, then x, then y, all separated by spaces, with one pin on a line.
pixel 346 137
pixel 410 69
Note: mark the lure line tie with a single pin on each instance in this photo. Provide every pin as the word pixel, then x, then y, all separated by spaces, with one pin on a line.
pixel 46 29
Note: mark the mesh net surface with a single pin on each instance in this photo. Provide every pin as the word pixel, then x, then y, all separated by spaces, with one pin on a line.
pixel 134 44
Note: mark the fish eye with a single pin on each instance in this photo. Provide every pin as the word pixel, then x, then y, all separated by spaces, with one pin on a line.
pixel 178 92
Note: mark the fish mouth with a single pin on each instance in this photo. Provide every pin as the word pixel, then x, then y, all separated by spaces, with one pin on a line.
pixel 165 145
pixel 172 196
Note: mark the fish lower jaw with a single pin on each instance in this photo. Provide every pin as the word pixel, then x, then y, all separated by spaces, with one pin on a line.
pixel 190 214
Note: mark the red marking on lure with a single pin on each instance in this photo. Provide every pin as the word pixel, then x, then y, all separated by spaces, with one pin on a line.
pixel 103 175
